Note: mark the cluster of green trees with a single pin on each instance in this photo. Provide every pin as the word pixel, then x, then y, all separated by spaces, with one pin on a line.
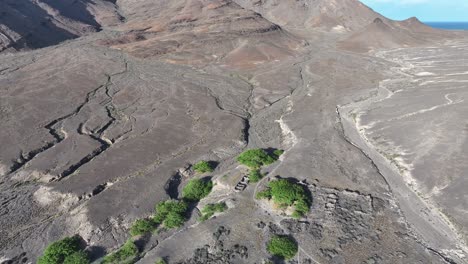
pixel 210 209
pixel 69 251
pixel 285 193
pixel 65 251
pixel 282 246
pixel 169 214
pixel 172 213
pixel 255 159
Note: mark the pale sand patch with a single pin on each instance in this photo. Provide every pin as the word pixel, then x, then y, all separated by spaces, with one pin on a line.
pixel 458 73
pixel 425 74
pixel 46 196
pixel 289 138
pixel 339 29
pixel 78 221
pixel 3 169
pixel 27 175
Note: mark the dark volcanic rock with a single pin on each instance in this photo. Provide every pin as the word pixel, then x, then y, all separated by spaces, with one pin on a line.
pixel 218 254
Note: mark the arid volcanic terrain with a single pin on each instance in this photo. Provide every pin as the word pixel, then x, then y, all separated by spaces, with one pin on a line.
pixel 106 106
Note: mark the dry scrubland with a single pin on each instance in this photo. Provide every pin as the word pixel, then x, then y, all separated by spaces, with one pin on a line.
pixel 100 133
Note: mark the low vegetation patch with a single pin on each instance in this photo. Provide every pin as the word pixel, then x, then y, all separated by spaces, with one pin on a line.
pixel 66 250
pixel 282 246
pixel 196 189
pixel 255 158
pixel 277 153
pixel 210 209
pixel 142 226
pixel 79 257
pixel 160 261
pixel 125 254
pixel 285 193
pixel 170 213
pixel 255 175
pixel 204 166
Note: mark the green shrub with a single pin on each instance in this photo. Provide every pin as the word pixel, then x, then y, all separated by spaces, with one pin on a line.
pixel 160 261
pixel 203 166
pixel 285 193
pixel 79 257
pixel 196 189
pixel 125 254
pixel 302 207
pixel 255 175
pixel 282 246
pixel 58 251
pixel 171 213
pixel 142 226
pixel 210 209
pixel 255 158
pixel 266 194
pixel 174 220
pixel 277 153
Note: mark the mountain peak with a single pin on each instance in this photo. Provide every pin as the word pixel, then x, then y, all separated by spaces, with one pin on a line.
pixel 323 15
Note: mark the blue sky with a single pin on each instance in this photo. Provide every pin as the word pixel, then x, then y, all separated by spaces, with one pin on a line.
pixel 425 10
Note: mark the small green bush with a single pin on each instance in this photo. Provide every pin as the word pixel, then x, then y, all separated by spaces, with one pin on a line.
pixel 125 254
pixel 142 226
pixel 58 251
pixel 302 207
pixel 171 213
pixel 285 193
pixel 160 261
pixel 255 175
pixel 203 167
pixel 196 189
pixel 79 257
pixel 266 194
pixel 210 209
pixel 282 246
pixel 174 220
pixel 255 158
pixel 277 153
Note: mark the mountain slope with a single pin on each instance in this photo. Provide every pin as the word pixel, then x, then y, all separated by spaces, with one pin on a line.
pixel 380 35
pixel 199 31
pixel 390 34
pixel 27 24
pixel 323 15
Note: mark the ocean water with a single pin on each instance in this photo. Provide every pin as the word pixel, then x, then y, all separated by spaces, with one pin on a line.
pixel 449 25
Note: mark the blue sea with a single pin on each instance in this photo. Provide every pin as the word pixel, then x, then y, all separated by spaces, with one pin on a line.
pixel 449 25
